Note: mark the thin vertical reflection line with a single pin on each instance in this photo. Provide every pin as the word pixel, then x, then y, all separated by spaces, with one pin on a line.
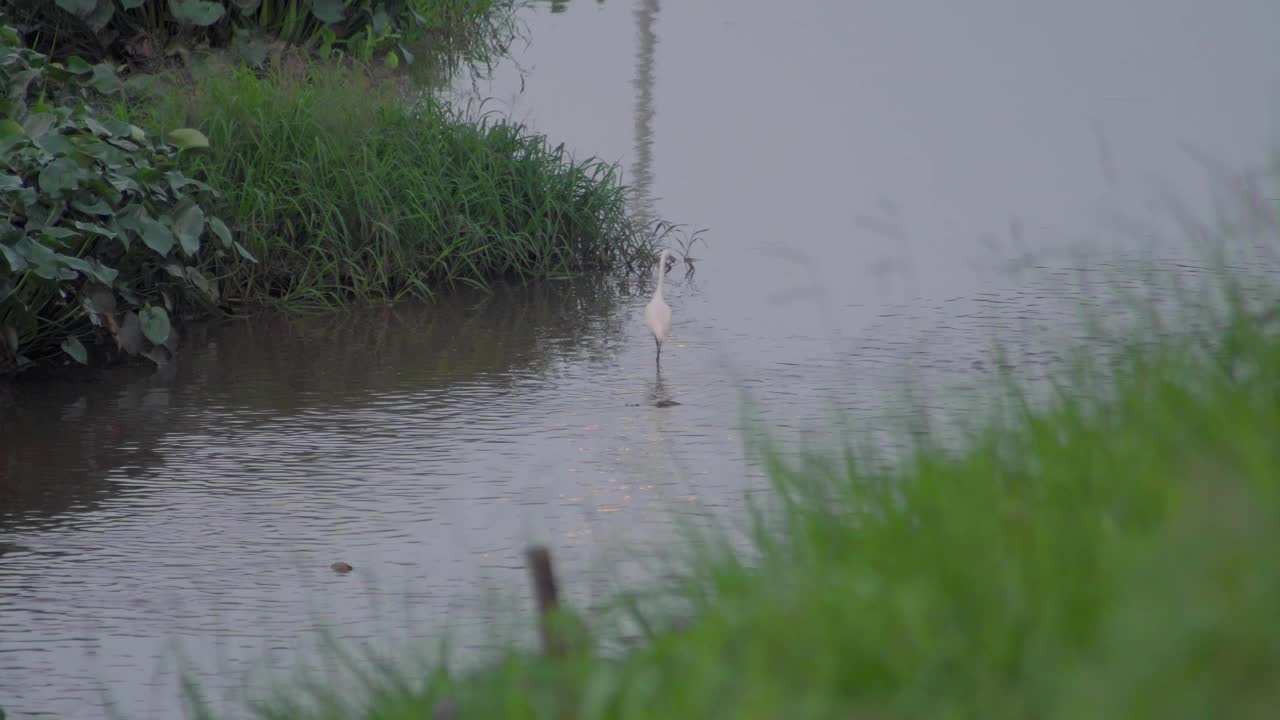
pixel 646 13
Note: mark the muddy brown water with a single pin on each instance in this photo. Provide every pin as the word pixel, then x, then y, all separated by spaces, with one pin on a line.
pixel 888 187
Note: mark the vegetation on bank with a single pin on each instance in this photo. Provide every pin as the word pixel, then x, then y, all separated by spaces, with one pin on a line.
pixel 1108 555
pixel 153 33
pixel 101 230
pixel 343 189
pixel 303 179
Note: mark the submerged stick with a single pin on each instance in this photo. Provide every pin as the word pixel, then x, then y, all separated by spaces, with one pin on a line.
pixel 547 596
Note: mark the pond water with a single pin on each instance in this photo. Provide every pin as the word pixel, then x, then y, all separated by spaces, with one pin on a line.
pixel 888 187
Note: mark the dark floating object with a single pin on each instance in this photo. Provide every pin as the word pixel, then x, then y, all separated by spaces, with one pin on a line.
pixel 340 567
pixel 665 403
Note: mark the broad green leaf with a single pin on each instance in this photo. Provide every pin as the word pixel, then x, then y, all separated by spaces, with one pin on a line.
pixel 178 181
pixel 77 65
pixel 188 139
pixel 188 226
pixel 97 207
pixel 131 4
pixel 329 11
pixel 137 134
pixel 155 323
pixel 156 235
pixel 76 263
pixel 104 79
pixel 95 269
pixel 126 145
pixel 11 338
pixel 96 127
pixel 123 183
pixel 200 281
pixel 11 129
pixel 408 56
pixel 95 228
pixel 117 128
pixel 59 176
pixel 391 60
pixel 79 8
pixel 73 347
pixel 55 143
pixel 381 21
pixel 37 124
pixel 54 232
pixel 17 263
pixel 101 15
pixel 130 217
pixel 219 228
pixel 10 182
pixel 245 253
pixel 200 13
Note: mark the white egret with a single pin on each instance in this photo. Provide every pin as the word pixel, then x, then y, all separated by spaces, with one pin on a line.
pixel 657 314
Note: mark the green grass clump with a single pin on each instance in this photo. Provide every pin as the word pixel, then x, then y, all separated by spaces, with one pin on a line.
pixel 343 190
pixel 1108 555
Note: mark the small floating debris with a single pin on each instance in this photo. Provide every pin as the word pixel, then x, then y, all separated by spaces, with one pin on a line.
pixel 340 567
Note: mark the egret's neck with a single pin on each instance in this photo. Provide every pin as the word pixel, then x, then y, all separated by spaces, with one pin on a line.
pixel 662 263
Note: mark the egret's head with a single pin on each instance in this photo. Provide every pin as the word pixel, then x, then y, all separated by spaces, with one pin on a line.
pixel 666 260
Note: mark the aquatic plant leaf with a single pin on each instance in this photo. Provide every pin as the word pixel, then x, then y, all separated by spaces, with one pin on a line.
pixel 200 13
pixel 104 79
pixel 188 139
pixel 188 226
pixel 198 279
pixel 101 15
pixel 17 263
pixel 408 56
pixel 78 66
pixel 381 21
pixel 131 4
pixel 59 176
pixel 73 347
pixel 95 229
pixel 102 273
pixel 329 11
pixel 156 235
pixel 219 228
pixel 155 323
pixel 79 8
pixel 244 253
pixel 9 182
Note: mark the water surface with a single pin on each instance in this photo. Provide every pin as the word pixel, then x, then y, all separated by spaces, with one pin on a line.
pixel 888 187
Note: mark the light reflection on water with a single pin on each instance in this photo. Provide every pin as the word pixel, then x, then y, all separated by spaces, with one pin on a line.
pixel 426 445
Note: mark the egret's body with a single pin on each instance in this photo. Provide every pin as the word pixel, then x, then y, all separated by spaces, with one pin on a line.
pixel 657 314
